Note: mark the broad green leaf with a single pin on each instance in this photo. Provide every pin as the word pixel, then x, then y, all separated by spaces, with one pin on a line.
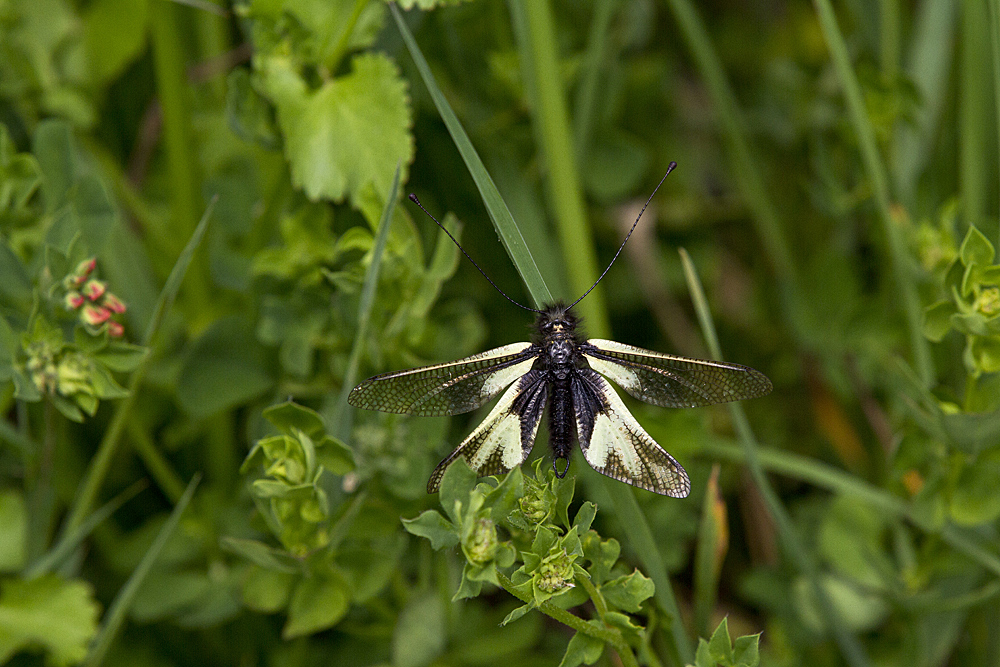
pixel 114 35
pixel 937 319
pixel 976 249
pixel 628 592
pixel 13 530
pixel 747 651
pixel 289 415
pixel 582 650
pixel 225 367
pixel 49 611
pixel 420 633
pixel 250 116
pixel 433 526
pixel 350 131
pixel 318 603
pixel 975 500
pixel 456 485
pixel 122 357
pixel 585 517
pixel 268 591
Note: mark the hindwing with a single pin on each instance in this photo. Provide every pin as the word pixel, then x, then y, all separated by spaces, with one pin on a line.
pixel 504 439
pixel 614 443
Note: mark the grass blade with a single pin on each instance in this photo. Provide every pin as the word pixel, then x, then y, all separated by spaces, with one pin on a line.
pixel 849 645
pixel 898 255
pixel 503 221
pixel 341 415
pixel 69 541
pixel 119 608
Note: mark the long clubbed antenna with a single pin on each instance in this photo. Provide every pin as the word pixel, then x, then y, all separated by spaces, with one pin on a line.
pixel 413 198
pixel 670 168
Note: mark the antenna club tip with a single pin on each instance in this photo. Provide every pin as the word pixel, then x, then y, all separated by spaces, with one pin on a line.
pixel 671 167
pixel 413 198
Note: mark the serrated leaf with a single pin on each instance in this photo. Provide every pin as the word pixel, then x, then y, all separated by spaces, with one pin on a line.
pixel 582 650
pixel 976 248
pixel 628 592
pixel 59 615
pixel 350 131
pixel 318 603
pixel 430 524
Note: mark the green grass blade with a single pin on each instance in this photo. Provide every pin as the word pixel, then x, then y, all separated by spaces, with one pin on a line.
pixel 746 168
pixel 503 221
pixel 974 112
pixel 898 255
pixel 928 66
pixel 176 277
pixel 68 543
pixel 123 601
pixel 710 551
pixel 995 44
pixel 342 416
pixel 849 645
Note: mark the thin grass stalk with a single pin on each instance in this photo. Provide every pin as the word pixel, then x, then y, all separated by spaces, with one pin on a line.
pixel 342 416
pixel 973 111
pixel 875 169
pixel 995 44
pixel 503 221
pixel 562 180
pixel 850 647
pixel 169 59
pixel 746 168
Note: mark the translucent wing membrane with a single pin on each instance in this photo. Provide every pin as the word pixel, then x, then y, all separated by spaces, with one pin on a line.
pixel 446 389
pixel 614 443
pixel 673 382
pixel 504 439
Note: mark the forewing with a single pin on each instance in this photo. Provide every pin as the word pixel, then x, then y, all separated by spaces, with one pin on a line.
pixel 614 443
pixel 673 382
pixel 504 439
pixel 446 389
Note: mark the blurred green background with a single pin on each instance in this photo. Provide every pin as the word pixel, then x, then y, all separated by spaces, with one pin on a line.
pixel 227 168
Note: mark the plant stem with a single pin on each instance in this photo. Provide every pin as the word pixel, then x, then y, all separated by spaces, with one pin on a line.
pixel 607 635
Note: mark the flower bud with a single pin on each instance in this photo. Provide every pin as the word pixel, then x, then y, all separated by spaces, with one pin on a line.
pixel 95 289
pixel 82 270
pixel 115 329
pixel 95 315
pixel 481 545
pixel 113 303
pixel 556 572
pixel 73 300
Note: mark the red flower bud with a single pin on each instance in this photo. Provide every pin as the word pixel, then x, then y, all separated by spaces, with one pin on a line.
pixel 115 329
pixel 94 315
pixel 73 300
pixel 94 289
pixel 82 270
pixel 113 303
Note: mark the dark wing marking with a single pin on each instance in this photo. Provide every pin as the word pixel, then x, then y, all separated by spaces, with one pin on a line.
pixel 673 382
pixel 504 439
pixel 614 443
pixel 446 389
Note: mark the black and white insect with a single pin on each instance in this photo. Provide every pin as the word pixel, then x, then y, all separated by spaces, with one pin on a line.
pixel 562 370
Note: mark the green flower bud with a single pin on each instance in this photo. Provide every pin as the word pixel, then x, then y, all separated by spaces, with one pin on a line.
pixel 555 573
pixel 481 544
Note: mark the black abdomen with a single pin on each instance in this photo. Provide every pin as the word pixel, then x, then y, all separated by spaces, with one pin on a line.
pixel 561 423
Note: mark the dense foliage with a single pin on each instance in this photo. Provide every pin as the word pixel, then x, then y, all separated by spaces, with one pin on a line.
pixel 205 245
